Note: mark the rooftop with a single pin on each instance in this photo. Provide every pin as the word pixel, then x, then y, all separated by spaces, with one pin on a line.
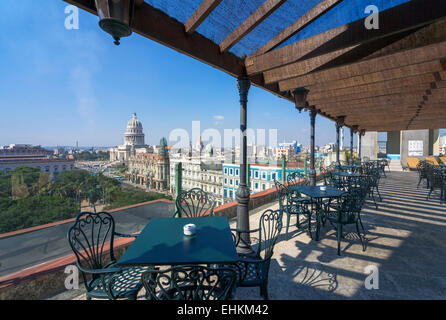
pixel 405 240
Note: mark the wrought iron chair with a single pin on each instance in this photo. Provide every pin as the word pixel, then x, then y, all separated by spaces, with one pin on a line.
pixel 88 237
pixel 346 213
pixel 373 178
pixel 252 269
pixel 294 178
pixel 436 180
pixel 383 163
pixel 292 204
pixel 191 282
pixel 195 203
pixel 422 168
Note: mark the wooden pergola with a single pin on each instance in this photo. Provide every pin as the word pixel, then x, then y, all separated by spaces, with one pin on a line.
pixel 386 79
pixel 392 78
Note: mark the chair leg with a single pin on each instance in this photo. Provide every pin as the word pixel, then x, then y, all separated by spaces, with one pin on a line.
pixel 339 238
pixel 374 201
pixel 287 223
pixel 430 192
pixel 298 221
pixel 377 190
pixel 309 226
pixel 359 234
pixel 264 291
pixel 360 221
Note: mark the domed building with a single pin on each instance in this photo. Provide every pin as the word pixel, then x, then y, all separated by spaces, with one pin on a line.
pixel 133 142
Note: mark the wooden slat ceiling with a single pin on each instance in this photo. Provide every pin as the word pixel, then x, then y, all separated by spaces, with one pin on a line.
pixel 392 78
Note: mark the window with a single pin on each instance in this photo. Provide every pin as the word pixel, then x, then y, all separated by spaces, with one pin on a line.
pixel 273 176
pixel 230 182
pixel 256 174
pixel 230 194
pixel 226 180
pixel 225 193
pixel 257 186
pixel 236 182
pixel 263 175
pixel 226 170
pixel 230 172
pixel 236 172
pixel 263 186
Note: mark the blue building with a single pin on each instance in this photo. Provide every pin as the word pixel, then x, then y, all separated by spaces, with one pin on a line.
pixel 262 177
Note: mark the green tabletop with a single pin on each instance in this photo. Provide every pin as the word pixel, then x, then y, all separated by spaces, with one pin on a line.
pixel 162 242
pixel 316 193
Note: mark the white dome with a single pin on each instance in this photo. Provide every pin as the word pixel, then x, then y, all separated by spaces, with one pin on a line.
pixel 134 134
pixel 134 123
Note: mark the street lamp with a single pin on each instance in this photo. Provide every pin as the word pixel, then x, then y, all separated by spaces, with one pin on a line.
pixel 300 98
pixel 116 17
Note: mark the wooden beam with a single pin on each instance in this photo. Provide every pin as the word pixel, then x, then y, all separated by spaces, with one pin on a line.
pixel 410 15
pixel 303 67
pixel 263 12
pixel 419 89
pixel 370 111
pixel 393 114
pixel 420 37
pixel 430 34
pixel 392 61
pixel 309 17
pixel 390 74
pixel 415 120
pixel 202 12
pixel 425 79
pixel 389 100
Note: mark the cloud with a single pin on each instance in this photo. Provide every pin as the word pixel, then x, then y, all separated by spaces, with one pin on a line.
pixel 218 117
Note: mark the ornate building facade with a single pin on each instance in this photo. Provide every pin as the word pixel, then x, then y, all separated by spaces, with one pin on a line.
pixel 150 169
pixel 133 142
pixel 197 173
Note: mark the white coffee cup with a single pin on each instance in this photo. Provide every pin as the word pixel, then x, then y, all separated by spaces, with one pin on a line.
pixel 189 229
pixel 323 188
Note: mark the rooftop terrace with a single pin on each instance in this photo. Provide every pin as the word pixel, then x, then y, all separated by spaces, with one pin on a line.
pixel 405 240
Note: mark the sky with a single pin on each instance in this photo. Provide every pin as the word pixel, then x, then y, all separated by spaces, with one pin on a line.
pixel 59 86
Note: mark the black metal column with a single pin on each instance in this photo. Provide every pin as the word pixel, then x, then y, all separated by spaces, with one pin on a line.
pixel 359 147
pixel 351 146
pixel 243 84
pixel 312 172
pixel 338 128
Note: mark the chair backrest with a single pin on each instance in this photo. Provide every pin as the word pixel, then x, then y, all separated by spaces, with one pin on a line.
pixel 88 237
pixel 270 224
pixel 436 178
pixel 350 208
pixel 282 194
pixel 192 282
pixel 195 203
pixel 293 178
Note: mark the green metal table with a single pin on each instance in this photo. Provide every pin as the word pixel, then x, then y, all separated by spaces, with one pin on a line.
pixel 162 242
pixel 314 192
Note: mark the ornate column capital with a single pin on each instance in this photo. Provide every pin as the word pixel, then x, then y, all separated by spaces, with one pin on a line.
pixel 243 85
pixel 340 122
